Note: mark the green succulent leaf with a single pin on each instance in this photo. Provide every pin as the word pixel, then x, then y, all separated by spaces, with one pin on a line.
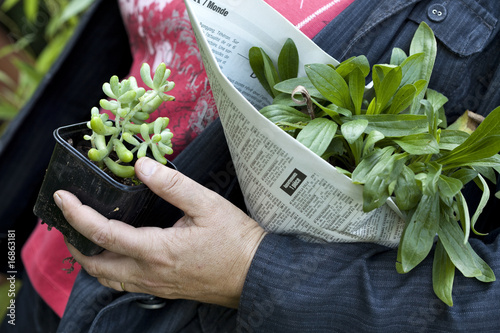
pixel 160 73
pixel 123 171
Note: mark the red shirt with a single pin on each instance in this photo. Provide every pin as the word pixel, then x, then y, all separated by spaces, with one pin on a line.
pixel 160 31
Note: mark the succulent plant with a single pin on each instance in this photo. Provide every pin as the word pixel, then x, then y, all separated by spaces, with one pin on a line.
pixel 132 105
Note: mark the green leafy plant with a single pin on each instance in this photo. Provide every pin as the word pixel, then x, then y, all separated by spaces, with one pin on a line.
pixel 132 106
pixel 391 137
pixel 38 31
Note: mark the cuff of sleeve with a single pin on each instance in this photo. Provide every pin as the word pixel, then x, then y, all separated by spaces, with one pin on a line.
pixel 253 303
pixel 282 284
pixel 292 283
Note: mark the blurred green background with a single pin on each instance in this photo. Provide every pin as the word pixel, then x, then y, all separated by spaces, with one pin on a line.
pixel 32 35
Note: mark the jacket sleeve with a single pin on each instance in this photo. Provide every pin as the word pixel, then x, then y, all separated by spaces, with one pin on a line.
pixel 294 286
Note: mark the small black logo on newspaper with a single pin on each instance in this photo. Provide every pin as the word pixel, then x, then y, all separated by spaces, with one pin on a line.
pixel 293 182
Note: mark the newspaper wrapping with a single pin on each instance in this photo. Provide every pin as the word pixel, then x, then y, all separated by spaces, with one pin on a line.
pixel 287 188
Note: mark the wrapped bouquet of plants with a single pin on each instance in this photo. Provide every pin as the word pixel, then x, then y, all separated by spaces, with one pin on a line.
pixel 391 137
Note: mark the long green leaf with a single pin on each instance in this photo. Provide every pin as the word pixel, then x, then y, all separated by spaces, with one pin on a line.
pixel 386 87
pixel 356 89
pixel 423 42
pixel 332 110
pixel 465 175
pixel 347 66
pixel 452 238
pixel 289 86
pixel 487 274
pixel 436 99
pixel 288 61
pixel 397 56
pixel 419 233
pixel 482 203
pixel 443 274
pixel 432 117
pixel 370 165
pixel 490 126
pixel 482 143
pixel 484 148
pixel 418 144
pixel 372 138
pixel 463 214
pixel 259 62
pixel 8 4
pixel 450 139
pixel 448 186
pixel 395 125
pixel 270 73
pixel 407 193
pixel 283 113
pixel 330 84
pixel 379 185
pixel 402 99
pixel 411 68
pixel 430 183
pixel 31 9
pixel 74 8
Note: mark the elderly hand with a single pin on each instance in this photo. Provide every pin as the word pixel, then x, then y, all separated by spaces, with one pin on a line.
pixel 205 256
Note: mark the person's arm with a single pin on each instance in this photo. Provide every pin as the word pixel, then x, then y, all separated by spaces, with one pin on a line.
pixel 294 286
pixel 217 254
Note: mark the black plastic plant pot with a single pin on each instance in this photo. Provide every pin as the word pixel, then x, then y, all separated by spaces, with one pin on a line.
pixel 71 170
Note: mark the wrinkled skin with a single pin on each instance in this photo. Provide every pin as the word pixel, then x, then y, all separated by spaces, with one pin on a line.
pixel 205 256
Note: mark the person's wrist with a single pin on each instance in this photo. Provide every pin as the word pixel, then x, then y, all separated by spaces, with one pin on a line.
pixel 253 239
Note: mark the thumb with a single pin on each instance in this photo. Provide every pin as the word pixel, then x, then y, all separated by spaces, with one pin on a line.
pixel 173 186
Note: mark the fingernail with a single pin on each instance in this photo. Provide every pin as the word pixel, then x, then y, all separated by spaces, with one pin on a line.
pixel 58 200
pixel 148 167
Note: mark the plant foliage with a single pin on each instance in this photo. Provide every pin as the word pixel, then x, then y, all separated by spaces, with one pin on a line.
pixel 132 106
pixel 38 31
pixel 391 137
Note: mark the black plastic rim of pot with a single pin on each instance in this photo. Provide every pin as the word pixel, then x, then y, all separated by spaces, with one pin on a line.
pixel 109 197
pixel 77 128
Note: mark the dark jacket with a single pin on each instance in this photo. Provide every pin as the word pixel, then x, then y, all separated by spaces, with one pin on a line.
pixel 294 286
